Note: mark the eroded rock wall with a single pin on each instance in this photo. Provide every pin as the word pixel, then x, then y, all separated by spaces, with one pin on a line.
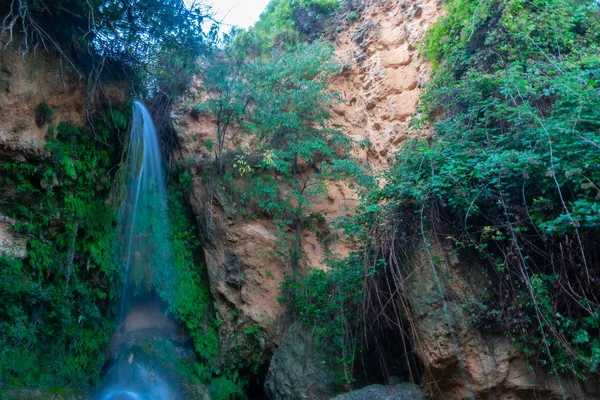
pixel 380 83
pixel 383 73
pixel 382 76
pixel 461 360
pixel 243 270
pixel 28 82
pixel 25 83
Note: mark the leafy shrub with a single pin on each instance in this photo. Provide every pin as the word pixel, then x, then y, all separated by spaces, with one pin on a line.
pixel 281 104
pixel 43 114
pixel 56 305
pixel 352 16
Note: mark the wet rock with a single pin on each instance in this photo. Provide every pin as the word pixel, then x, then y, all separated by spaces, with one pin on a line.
pixel 299 370
pixel 244 273
pixel 148 322
pixel 466 362
pixel 403 391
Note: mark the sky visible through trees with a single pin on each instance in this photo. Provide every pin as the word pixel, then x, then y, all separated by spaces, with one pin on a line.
pixel 241 13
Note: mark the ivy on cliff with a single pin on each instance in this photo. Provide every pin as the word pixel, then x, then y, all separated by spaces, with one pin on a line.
pixel 514 158
pixel 56 313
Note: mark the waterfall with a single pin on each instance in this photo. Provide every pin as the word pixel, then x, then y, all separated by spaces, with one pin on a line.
pixel 144 214
pixel 143 251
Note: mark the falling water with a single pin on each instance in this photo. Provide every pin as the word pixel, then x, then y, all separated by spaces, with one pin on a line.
pixel 143 251
pixel 144 216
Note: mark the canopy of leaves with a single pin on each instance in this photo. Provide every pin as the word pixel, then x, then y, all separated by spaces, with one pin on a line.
pixel 287 23
pixel 281 103
pixel 151 40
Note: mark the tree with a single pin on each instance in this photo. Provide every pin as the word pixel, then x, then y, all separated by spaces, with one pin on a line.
pixel 227 96
pixel 154 37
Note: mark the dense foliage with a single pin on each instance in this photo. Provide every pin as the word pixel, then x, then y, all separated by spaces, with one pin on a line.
pixel 515 160
pixel 510 174
pixel 280 102
pixel 287 23
pixel 56 305
pixel 138 33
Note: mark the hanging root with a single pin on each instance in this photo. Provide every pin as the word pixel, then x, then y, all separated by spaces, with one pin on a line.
pixel 19 20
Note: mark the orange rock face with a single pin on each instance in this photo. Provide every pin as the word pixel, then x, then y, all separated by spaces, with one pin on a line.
pixel 30 80
pixel 24 84
pixel 380 81
pixel 383 74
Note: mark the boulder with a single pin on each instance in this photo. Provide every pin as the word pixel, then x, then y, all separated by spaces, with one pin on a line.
pixel 298 370
pixel 403 391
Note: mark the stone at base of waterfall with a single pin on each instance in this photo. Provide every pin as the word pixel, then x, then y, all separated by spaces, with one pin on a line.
pixel 403 391
pixel 299 370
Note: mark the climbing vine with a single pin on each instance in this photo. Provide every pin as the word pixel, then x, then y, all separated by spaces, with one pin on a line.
pixel 514 159
pixel 56 304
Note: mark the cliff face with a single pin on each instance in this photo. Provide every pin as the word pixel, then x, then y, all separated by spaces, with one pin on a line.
pixel 380 82
pixel 241 255
pixel 462 360
pixel 382 76
pixel 382 73
pixel 35 91
pixel 25 83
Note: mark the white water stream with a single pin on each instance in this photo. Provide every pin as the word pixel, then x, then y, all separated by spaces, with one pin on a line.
pixel 144 251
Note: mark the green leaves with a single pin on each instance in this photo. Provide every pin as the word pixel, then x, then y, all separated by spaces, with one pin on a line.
pixel 55 305
pixel 513 164
pixel 279 103
pixel 285 24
